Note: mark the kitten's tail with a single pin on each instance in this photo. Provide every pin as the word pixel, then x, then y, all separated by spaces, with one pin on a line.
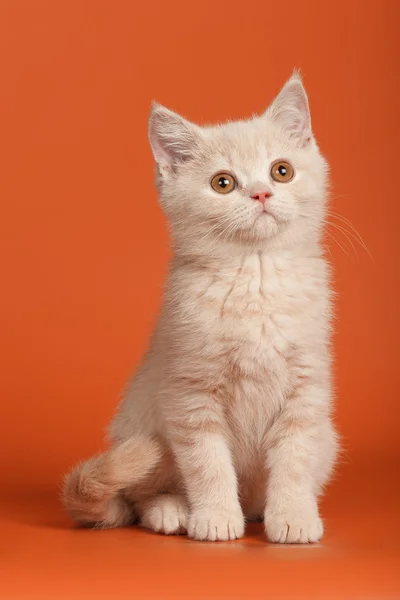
pixel 91 491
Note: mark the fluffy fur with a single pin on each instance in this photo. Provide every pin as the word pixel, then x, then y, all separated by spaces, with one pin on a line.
pixel 229 415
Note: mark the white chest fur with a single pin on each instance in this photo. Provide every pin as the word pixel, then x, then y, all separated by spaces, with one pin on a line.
pixel 259 310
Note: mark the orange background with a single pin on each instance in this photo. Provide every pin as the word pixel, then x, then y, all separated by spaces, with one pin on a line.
pixel 83 242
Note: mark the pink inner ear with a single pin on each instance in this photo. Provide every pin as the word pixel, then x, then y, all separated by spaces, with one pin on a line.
pixel 301 127
pixel 173 139
pixel 290 110
pixel 161 156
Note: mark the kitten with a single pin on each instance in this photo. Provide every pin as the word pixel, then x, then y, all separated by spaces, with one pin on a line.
pixel 229 416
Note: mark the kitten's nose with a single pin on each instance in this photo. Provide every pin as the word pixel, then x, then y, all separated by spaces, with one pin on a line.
pixel 261 196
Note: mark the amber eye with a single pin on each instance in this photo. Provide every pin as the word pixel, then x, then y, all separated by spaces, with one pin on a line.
pixel 223 183
pixel 282 171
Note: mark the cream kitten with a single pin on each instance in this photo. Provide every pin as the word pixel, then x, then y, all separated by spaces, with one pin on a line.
pixel 229 416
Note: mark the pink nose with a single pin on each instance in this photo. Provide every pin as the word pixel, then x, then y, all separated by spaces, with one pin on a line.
pixel 261 196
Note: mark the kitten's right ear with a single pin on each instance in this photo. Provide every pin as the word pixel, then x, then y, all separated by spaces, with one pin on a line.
pixel 173 139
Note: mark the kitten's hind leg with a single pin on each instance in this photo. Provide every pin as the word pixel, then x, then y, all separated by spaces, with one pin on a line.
pixel 164 513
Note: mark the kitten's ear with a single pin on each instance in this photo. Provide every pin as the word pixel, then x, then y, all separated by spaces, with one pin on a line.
pixel 291 111
pixel 173 139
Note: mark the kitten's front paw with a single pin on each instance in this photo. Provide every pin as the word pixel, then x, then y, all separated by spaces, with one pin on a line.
pixel 293 527
pixel 216 525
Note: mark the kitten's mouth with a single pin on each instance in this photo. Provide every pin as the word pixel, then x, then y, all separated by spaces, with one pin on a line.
pixel 267 211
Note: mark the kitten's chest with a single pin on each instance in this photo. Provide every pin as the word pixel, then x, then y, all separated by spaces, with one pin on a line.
pixel 259 311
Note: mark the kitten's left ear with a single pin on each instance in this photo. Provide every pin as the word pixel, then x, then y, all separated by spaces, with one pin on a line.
pixel 291 112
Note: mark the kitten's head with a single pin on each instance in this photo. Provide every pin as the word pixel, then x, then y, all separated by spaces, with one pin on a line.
pixel 259 182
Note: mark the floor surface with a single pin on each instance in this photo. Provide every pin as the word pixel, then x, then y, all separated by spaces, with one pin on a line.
pixel 43 556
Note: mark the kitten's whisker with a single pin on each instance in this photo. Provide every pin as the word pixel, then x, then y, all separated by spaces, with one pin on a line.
pixel 334 238
pixel 227 230
pixel 326 246
pixel 210 231
pixel 347 222
pixel 344 232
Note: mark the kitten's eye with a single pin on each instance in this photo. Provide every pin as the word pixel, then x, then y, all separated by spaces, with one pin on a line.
pixel 223 183
pixel 282 171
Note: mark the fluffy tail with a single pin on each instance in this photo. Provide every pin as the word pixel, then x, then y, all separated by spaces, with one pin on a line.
pixel 91 492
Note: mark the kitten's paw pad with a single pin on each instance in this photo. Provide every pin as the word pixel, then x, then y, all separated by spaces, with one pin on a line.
pixel 216 526
pixel 293 528
pixel 167 514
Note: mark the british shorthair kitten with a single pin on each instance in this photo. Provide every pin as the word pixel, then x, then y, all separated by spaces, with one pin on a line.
pixel 229 416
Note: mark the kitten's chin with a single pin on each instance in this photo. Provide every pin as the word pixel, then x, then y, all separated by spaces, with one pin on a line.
pixel 265 226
